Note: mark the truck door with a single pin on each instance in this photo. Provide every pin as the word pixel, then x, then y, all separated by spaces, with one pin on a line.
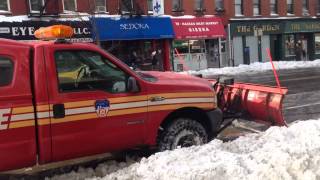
pixel 17 119
pixel 92 111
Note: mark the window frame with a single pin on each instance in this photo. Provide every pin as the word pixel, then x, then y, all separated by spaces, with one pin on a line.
pixel 219 4
pixel 318 7
pixel 238 5
pixel 199 5
pixel 180 6
pixel 9 8
pixel 127 10
pixel 60 90
pixel 305 7
pixel 68 11
pixel 12 70
pixel 150 11
pixel 105 6
pixel 257 5
pixel 35 11
pixel 291 12
pixel 274 9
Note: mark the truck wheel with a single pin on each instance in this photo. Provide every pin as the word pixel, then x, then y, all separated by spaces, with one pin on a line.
pixel 182 132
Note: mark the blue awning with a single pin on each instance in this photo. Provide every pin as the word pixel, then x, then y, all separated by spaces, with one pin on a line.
pixel 122 28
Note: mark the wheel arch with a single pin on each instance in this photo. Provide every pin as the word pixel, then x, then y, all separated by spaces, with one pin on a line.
pixel 197 114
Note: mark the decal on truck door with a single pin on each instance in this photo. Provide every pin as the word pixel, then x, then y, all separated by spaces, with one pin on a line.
pixel 102 108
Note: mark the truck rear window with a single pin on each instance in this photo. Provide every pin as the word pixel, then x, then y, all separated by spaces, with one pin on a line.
pixel 6 71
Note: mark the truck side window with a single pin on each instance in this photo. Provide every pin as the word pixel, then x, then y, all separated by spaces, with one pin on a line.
pixel 81 70
pixel 6 71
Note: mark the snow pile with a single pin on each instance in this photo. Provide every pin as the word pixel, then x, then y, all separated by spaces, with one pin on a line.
pixel 278 153
pixel 257 67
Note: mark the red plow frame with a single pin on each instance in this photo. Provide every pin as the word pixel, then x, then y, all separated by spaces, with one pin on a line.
pixel 251 101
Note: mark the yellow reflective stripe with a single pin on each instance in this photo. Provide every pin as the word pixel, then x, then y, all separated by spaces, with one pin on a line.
pixel 127 111
pixel 186 94
pixel 77 117
pixel 43 107
pixel 177 106
pixel 128 99
pixel 77 104
pixel 45 121
pixel 21 110
pixel 20 124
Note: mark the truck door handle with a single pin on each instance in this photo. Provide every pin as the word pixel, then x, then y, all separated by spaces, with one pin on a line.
pixel 157 98
pixel 59 111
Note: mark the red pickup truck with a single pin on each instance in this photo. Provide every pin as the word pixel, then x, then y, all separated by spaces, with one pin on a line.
pixel 61 100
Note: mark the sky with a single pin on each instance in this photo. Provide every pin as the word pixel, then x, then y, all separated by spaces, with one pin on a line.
pixel 279 153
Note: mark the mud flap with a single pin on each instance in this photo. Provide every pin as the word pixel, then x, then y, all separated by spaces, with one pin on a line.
pixel 252 101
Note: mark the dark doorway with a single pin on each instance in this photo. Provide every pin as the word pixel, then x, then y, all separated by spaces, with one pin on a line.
pixel 275 43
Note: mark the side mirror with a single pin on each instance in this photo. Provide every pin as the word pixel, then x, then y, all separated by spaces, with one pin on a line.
pixel 132 85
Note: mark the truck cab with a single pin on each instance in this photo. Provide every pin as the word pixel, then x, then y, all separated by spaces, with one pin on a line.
pixel 61 100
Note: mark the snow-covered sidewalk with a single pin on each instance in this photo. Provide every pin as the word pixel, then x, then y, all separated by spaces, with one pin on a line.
pixel 278 153
pixel 257 67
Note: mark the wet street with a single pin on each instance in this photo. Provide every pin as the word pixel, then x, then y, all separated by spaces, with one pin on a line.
pixel 303 99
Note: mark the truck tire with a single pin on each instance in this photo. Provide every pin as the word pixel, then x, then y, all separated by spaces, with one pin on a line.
pixel 182 132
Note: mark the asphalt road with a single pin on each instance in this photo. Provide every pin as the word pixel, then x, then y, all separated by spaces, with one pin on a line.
pixel 303 99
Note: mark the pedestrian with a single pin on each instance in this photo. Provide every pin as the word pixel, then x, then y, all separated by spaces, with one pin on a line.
pixel 298 51
pixel 157 60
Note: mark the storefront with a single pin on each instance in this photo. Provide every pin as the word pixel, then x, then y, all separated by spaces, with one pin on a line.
pixel 199 43
pixel 250 39
pixel 24 30
pixel 141 42
pixel 295 39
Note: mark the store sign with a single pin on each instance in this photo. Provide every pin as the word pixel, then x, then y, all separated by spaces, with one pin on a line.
pixel 239 29
pixel 25 30
pixel 305 26
pixel 134 28
pixel 198 28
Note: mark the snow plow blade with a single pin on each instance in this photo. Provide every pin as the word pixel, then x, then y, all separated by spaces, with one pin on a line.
pixel 251 101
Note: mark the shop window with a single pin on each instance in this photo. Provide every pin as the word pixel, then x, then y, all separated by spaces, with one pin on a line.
pixel 181 47
pixel 238 7
pixel 256 7
pixel 69 5
pixel 6 71
pixel 150 6
pixel 36 5
pixel 101 6
pixel 189 46
pixel 290 45
pixel 198 5
pixel 87 70
pixel 197 46
pixel 305 7
pixel 290 7
pixel 177 5
pixel 4 6
pixel 274 7
pixel 317 43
